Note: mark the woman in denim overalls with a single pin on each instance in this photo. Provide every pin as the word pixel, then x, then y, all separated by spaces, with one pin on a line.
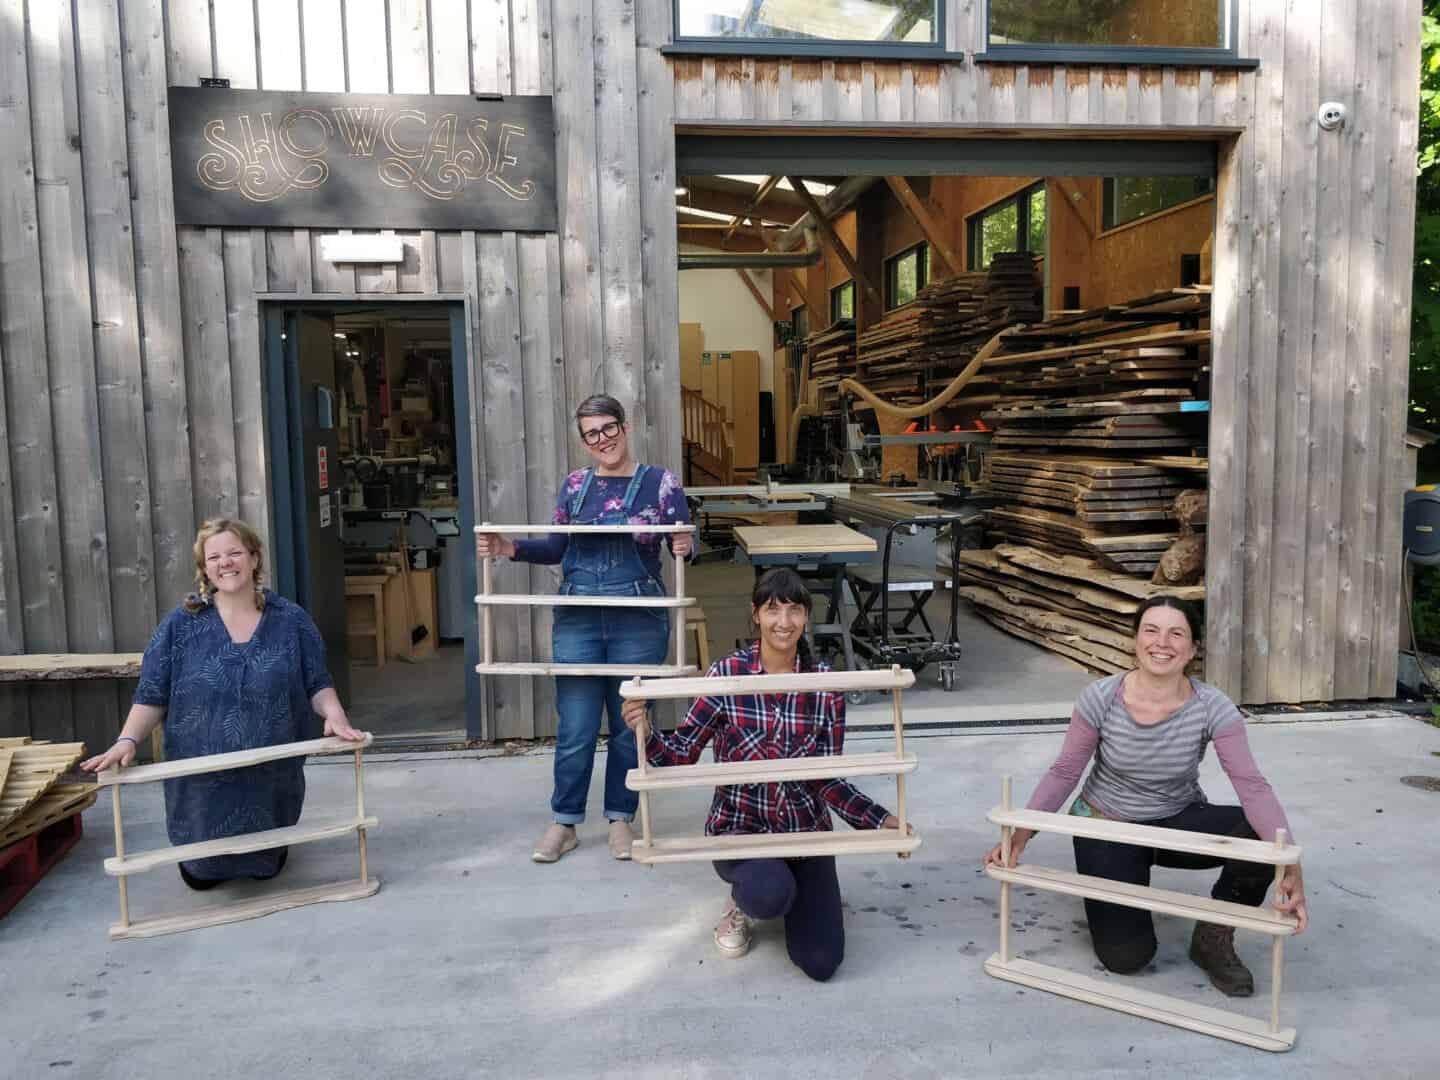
pixel 616 490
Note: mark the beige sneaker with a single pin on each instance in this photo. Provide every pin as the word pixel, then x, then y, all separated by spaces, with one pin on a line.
pixel 620 839
pixel 732 932
pixel 558 839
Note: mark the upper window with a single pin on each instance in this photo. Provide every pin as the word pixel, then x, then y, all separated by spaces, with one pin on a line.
pixel 842 302
pixel 900 22
pixel 1016 224
pixel 906 274
pixel 1166 24
pixel 799 323
pixel 1130 198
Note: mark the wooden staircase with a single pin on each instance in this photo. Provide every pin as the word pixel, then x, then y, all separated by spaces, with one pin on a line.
pixel 709 455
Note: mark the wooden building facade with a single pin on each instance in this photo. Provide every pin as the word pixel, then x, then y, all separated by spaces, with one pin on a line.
pixel 132 402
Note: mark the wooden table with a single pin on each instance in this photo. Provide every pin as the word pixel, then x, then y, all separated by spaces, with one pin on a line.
pixel 368 593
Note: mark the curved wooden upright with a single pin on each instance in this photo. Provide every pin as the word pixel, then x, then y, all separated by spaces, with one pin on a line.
pixel 123 865
pixel 896 763
pixel 1118 994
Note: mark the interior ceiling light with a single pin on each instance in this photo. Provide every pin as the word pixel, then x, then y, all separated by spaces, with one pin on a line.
pixel 815 187
pixel 681 192
pixel 339 336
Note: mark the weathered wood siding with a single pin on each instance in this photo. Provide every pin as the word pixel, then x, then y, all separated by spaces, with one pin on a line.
pixel 115 441
pixel 132 401
pixel 1312 267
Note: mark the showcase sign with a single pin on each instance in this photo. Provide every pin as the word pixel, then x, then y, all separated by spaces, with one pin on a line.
pixel 253 158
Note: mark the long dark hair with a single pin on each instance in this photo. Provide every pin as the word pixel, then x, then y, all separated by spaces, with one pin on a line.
pixel 1185 607
pixel 783 585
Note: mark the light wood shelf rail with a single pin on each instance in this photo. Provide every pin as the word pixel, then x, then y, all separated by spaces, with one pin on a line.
pixel 122 866
pixel 488 599
pixel 1114 993
pixel 645 779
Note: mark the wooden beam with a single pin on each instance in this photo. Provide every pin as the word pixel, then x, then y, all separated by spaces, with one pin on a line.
pixel 757 294
pixel 1076 199
pixel 764 189
pixel 722 202
pixel 932 229
pixel 832 239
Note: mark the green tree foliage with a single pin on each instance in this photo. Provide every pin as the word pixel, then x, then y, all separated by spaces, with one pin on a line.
pixel 1425 305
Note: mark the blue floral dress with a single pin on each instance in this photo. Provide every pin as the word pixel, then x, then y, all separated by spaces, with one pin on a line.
pixel 218 697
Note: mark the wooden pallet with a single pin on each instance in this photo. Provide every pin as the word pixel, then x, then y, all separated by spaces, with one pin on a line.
pixel 58 803
pixel 24 862
pixel 123 865
pixel 33 769
pixel 645 779
pixel 1114 993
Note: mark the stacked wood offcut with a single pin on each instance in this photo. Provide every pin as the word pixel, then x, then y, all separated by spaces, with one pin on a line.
pixel 1070 605
pixel 832 357
pixel 905 354
pixel 31 795
pixel 1100 422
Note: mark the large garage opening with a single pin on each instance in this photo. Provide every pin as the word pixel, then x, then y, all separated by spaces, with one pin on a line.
pixel 1010 339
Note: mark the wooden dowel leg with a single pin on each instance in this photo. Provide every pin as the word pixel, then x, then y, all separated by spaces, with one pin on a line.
pixel 1005 834
pixel 897 713
pixel 487 613
pixel 120 854
pixel 360 816
pixel 680 613
pixel 1277 946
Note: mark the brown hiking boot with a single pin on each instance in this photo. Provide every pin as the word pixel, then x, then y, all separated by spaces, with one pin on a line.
pixel 1213 950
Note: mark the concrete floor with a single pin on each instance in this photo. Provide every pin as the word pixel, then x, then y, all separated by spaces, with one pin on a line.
pixel 424 697
pixel 474 962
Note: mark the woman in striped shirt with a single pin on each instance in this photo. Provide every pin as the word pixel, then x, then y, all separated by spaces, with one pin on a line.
pixel 804 892
pixel 1147 730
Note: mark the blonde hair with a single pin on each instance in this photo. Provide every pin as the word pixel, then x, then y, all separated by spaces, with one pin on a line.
pixel 204 589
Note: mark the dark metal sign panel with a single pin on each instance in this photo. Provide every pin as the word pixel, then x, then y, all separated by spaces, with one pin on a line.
pixel 254 158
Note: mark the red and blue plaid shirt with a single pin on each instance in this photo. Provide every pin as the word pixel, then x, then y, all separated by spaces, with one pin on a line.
pixel 768 727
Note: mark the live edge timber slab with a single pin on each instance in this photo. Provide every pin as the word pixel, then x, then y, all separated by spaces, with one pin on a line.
pixel 489 599
pixel 122 866
pixel 898 763
pixel 1115 993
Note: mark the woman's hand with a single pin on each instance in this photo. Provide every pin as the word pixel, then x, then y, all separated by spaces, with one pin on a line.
pixel 633 713
pixel 338 724
pixel 493 545
pixel 682 544
pixel 122 753
pixel 1290 896
pixel 1018 839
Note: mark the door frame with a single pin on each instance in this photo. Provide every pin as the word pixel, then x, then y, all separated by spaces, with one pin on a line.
pixel 289 543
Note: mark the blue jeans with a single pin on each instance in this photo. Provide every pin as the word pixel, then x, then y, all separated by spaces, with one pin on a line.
pixel 596 635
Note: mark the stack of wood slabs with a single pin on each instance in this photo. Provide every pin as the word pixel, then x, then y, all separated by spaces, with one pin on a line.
pixel 1072 606
pixel 28 772
pixel 832 357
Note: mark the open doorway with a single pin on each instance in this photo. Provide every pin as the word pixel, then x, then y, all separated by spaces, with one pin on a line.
pixel 1065 448
pixel 369 439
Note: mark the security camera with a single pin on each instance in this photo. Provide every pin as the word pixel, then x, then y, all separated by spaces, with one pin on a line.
pixel 1331 115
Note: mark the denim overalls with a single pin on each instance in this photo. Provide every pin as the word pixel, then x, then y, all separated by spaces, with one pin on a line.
pixel 601 565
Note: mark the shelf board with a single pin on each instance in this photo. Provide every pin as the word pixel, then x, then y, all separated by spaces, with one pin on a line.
pixel 893 678
pixel 157 925
pixel 239 759
pixel 1124 832
pixel 618 670
pixel 234 845
pixel 670 777
pixel 553 600
pixel 774 846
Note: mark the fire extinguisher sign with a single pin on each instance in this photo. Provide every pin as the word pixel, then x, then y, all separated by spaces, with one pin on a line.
pixel 322 457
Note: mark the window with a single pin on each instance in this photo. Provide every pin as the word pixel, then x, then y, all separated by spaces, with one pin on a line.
pixel 906 274
pixel 896 22
pixel 799 323
pixel 842 302
pixel 1017 224
pixel 1130 198
pixel 1169 24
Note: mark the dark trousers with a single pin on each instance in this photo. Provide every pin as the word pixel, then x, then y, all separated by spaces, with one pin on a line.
pixel 806 893
pixel 1124 937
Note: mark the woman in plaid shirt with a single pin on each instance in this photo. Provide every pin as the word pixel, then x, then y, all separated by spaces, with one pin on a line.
pixel 805 892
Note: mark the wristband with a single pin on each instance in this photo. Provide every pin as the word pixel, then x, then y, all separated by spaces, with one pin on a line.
pixel 127 738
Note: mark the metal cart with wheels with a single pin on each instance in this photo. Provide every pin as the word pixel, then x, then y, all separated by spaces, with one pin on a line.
pixel 879 642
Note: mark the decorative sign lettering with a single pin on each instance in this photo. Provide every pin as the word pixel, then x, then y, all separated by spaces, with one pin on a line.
pixel 254 158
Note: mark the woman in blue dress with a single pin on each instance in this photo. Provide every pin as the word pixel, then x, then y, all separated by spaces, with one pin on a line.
pixel 615 490
pixel 234 667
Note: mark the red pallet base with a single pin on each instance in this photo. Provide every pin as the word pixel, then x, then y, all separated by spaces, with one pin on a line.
pixel 26 861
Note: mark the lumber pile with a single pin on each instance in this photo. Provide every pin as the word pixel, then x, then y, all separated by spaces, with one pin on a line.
pixel 31 795
pixel 1070 605
pixel 831 353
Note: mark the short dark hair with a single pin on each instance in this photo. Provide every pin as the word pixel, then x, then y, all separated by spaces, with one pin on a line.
pixel 1185 607
pixel 600 405
pixel 781 585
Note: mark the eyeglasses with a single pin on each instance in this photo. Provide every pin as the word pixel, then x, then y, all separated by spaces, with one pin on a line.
pixel 594 436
